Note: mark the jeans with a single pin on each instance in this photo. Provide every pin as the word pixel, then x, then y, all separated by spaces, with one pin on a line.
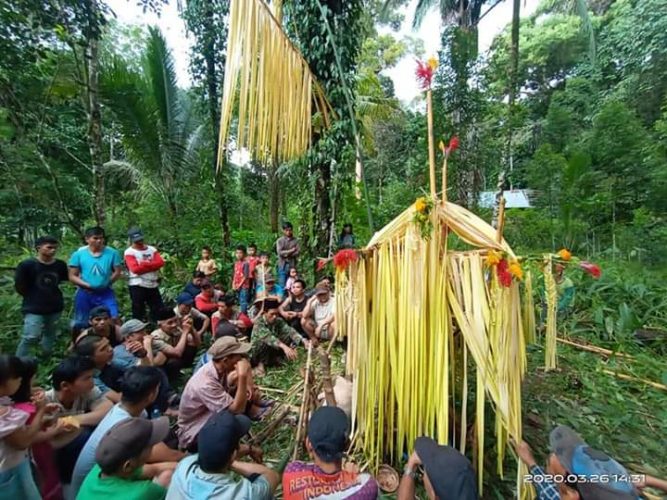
pixel 283 271
pixel 18 483
pixel 140 297
pixel 36 327
pixel 244 296
pixel 85 300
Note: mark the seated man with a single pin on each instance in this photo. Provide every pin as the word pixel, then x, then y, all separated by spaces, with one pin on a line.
pixel 194 286
pixel 326 443
pixel 224 383
pixel 272 338
pixel 571 455
pixel 75 392
pixel 228 313
pixel 177 346
pixel 319 319
pixel 132 351
pixel 447 473
pixel 102 325
pixel 208 475
pixel 184 307
pixel 140 386
pixel 121 470
pixel 293 306
pixel 207 300
pixel 105 376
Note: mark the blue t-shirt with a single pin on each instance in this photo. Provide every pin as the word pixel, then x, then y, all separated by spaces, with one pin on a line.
pixel 122 358
pixel 96 270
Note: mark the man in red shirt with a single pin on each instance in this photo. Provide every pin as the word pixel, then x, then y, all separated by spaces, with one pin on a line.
pixel 241 278
pixel 207 300
pixel 143 263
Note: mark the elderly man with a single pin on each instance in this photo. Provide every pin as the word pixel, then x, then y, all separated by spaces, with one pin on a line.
pixel 224 383
pixel 319 319
pixel 175 341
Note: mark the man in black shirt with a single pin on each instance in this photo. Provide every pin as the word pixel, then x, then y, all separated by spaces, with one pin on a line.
pixel 292 307
pixel 37 279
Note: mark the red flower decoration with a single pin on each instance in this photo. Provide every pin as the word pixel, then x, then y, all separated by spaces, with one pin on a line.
pixel 344 258
pixel 321 264
pixel 504 275
pixel 592 269
pixel 424 74
pixel 453 145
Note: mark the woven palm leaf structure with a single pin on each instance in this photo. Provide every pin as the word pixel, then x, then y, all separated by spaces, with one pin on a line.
pixel 414 314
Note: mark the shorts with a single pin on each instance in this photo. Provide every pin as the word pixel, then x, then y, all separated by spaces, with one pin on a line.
pixel 85 301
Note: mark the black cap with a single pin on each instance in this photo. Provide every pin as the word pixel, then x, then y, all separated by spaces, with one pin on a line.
pixel 449 472
pixel 165 313
pixel 98 312
pixel 219 438
pixel 135 234
pixel 328 432
pixel 287 225
pixel 226 329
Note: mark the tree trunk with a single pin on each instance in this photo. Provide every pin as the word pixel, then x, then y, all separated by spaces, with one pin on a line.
pixel 95 115
pixel 219 172
pixel 274 196
pixel 322 207
pixel 514 64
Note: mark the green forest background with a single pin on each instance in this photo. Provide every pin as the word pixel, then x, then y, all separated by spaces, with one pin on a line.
pixel 94 129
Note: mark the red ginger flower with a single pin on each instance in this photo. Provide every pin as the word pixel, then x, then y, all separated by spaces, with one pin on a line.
pixel 424 74
pixel 321 264
pixel 453 145
pixel 344 258
pixel 504 275
pixel 592 269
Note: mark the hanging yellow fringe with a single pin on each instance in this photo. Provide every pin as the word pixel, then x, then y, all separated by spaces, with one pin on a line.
pixel 409 295
pixel 551 293
pixel 271 85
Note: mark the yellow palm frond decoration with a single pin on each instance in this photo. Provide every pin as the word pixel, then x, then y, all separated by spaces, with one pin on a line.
pixel 270 80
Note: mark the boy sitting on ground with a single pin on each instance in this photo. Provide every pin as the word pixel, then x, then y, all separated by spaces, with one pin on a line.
pixel 101 325
pixel 185 308
pixel 228 313
pixel 326 443
pixel 194 286
pixel 121 457
pixel 106 377
pixel 207 300
pixel 293 306
pixel 272 338
pixel 140 387
pixel 224 383
pixel 208 475
pixel 75 392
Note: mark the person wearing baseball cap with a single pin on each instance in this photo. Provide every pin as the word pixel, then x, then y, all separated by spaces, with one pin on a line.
pixel 224 383
pixel 208 474
pixel 326 442
pixel 572 458
pixel 143 264
pixel 448 475
pixel 272 338
pixel 132 351
pixel 121 470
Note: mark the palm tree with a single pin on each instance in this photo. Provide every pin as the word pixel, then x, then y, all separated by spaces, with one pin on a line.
pixel 159 131
pixel 576 8
pixel 463 13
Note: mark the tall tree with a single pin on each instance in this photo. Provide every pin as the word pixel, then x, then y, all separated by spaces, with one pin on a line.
pixel 207 21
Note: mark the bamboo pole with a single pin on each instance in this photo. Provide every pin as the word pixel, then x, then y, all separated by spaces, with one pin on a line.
pixel 304 400
pixel 630 378
pixel 501 219
pixel 272 426
pixel 325 365
pixel 444 174
pixel 431 148
pixel 595 349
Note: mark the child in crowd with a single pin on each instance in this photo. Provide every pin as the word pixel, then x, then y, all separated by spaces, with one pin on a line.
pixel 121 470
pixel 293 276
pixel 207 264
pixel 16 434
pixel 261 271
pixel 227 313
pixel 253 261
pixel 207 300
pixel 241 278
pixel 194 286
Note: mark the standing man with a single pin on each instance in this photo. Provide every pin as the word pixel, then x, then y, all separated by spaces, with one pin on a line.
pixel 143 263
pixel 241 279
pixel 93 269
pixel 37 279
pixel 287 248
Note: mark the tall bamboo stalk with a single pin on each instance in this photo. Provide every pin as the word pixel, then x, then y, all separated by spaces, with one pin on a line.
pixel 431 147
